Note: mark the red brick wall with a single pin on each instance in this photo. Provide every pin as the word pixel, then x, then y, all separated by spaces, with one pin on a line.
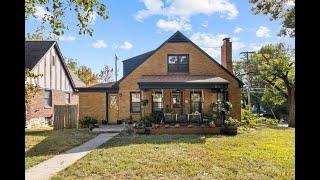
pixel 37 110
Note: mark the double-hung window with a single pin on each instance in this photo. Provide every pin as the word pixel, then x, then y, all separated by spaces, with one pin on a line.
pixel 178 63
pixel 48 98
pixel 135 102
pixel 157 102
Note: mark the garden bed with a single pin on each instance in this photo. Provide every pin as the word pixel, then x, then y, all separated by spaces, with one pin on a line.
pixel 185 130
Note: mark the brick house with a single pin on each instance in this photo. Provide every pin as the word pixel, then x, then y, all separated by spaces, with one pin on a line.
pixel 177 75
pixel 58 84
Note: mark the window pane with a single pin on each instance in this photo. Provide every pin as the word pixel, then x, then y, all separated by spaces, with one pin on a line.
pixel 48 98
pixel 173 59
pixel 184 59
pixel 135 107
pixel 157 106
pixel 157 97
pixel 135 97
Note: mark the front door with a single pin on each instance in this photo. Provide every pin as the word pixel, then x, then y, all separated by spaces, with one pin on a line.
pixel 177 100
pixel 113 108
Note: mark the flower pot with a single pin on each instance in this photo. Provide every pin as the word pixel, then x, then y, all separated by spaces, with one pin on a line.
pixel 231 130
pixel 139 130
pixel 167 126
pixel 177 125
pixel 202 126
pixel 190 126
pixel 212 125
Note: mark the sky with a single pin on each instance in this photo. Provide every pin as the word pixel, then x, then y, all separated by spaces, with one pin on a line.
pixel 138 26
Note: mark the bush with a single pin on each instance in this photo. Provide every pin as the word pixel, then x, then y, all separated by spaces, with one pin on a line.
pixel 247 118
pixel 232 122
pixel 139 125
pixel 267 121
pixel 156 117
pixel 88 121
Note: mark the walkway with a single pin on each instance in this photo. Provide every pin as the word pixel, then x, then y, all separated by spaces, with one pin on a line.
pixel 50 167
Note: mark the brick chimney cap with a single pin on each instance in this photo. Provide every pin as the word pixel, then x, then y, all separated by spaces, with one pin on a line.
pixel 226 39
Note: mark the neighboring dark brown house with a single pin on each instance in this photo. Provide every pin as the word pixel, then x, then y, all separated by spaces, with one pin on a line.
pixel 58 84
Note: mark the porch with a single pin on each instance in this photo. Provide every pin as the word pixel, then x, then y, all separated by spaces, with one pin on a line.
pixel 184 99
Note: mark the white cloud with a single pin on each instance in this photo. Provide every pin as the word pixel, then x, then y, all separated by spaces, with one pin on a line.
pixel 126 45
pixel 205 24
pixel 182 10
pixel 99 44
pixel 66 38
pixel 212 43
pixel 209 43
pixel 237 30
pixel 290 3
pixel 173 25
pixel 41 12
pixel 263 32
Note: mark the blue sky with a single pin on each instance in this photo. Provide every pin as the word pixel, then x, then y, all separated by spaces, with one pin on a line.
pixel 137 26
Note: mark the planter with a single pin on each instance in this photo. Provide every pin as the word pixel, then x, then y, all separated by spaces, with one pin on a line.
pixel 139 130
pixel 202 126
pixel 167 126
pixel 190 126
pixel 231 130
pixel 177 125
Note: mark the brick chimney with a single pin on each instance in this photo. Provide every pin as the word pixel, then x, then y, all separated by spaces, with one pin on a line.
pixel 226 54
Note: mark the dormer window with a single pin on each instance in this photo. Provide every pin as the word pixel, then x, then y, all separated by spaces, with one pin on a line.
pixel 178 63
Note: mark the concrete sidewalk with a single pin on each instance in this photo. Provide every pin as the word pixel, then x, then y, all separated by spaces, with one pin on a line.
pixel 50 167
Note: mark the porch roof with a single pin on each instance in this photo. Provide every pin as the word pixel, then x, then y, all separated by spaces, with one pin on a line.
pixel 181 81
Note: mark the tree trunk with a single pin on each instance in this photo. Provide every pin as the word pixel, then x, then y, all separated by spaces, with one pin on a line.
pixel 291 106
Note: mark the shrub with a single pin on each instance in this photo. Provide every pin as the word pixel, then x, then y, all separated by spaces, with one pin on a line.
pixel 88 121
pixel 139 125
pixel 247 118
pixel 156 117
pixel 268 121
pixel 232 122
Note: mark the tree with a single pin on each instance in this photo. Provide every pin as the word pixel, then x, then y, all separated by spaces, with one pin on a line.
pixel 105 74
pixel 276 68
pixel 31 89
pixel 40 35
pixel 278 9
pixel 83 72
pixel 85 11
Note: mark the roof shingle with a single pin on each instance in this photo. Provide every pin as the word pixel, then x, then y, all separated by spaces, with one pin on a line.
pixel 34 51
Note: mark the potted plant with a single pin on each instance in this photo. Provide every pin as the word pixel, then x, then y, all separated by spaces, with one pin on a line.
pixel 212 124
pixel 139 127
pixel 231 126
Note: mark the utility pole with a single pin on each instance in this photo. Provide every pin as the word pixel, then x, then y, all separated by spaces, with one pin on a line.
pixel 248 82
pixel 116 68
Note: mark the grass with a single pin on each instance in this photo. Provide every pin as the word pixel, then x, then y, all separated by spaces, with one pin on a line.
pixel 42 144
pixel 265 153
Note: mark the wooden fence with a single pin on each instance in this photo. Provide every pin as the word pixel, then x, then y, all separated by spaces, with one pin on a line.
pixel 65 117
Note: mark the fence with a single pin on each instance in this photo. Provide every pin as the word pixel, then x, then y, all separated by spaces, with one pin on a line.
pixel 65 117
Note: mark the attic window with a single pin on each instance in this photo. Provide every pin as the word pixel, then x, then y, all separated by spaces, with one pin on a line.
pixel 53 60
pixel 178 63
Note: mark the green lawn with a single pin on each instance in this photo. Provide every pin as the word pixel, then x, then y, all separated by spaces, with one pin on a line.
pixel 258 154
pixel 42 144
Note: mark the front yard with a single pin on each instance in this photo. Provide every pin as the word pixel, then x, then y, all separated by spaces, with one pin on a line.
pixel 265 153
pixel 42 144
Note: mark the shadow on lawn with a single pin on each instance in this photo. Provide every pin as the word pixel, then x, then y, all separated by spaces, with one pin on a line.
pixel 57 141
pixel 124 139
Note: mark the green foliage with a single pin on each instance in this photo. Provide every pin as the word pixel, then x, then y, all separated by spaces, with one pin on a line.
pixel 156 117
pixel 232 122
pixel 83 72
pixel 83 10
pixel 247 118
pixel 40 34
pixel 278 10
pixel 141 124
pixel 31 89
pixel 88 121
pixel 267 121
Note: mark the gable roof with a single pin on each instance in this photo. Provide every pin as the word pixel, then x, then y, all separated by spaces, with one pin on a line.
pixel 132 63
pixel 100 87
pixel 77 82
pixel 177 37
pixel 35 50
